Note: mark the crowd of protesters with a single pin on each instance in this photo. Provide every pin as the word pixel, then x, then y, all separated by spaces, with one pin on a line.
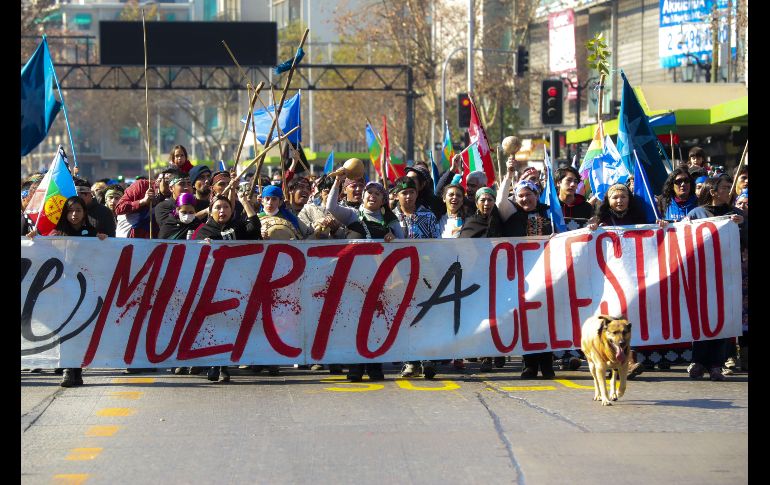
pixel 195 202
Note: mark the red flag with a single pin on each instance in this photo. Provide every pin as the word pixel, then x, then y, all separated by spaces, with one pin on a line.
pixel 391 172
pixel 477 134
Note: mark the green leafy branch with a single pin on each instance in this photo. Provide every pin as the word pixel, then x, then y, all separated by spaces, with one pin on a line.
pixel 598 55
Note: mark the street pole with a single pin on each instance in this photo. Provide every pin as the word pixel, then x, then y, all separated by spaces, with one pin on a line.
pixel 471 26
pixel 443 85
pixel 553 147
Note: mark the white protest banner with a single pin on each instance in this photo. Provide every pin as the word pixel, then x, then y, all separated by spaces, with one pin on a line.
pixel 141 303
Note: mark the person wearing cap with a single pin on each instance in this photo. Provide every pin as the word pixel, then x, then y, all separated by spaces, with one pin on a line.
pixel 417 221
pixel 179 184
pixel 278 222
pixel 133 208
pixel 699 184
pixel 98 215
pixel 178 158
pixel 200 178
pixel 425 195
pixel 354 192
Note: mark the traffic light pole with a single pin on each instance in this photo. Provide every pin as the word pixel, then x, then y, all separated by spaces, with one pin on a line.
pixel 553 147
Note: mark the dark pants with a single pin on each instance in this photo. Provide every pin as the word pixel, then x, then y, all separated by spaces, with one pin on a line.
pixel 710 353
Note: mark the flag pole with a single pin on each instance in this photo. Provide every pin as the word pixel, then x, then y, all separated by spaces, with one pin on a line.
pixel 646 184
pixel 740 165
pixel 382 147
pixel 147 111
pixel 279 106
pixel 64 107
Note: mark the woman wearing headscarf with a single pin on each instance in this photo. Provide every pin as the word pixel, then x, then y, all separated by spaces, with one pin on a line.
pixel 278 222
pixel 714 201
pixel 223 225
pixel 526 216
pixel 372 220
pixel 73 222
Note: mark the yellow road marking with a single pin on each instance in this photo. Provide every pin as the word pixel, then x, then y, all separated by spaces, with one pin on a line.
pixel 406 384
pixel 112 412
pixel 133 380
pixel 70 479
pixel 127 394
pixel 365 388
pixel 572 385
pixel 334 378
pixel 527 388
pixel 78 454
pixel 107 430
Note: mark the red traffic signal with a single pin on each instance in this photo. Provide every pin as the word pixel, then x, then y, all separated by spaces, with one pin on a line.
pixel 463 110
pixel 552 104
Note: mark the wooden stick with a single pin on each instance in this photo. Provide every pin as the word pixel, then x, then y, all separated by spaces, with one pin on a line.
pixel 279 106
pixel 671 140
pixel 280 132
pixel 379 139
pixel 147 110
pixel 252 101
pixel 740 165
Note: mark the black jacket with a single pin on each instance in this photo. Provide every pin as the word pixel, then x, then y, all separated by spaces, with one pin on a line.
pixel 101 217
pixel 235 229
pixel 172 228
pixel 521 224
pixel 481 226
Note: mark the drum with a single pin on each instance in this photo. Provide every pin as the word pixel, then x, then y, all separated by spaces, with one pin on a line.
pixel 275 228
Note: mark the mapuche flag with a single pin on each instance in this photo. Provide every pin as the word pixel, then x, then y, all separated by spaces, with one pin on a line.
pixel 56 187
pixel 479 136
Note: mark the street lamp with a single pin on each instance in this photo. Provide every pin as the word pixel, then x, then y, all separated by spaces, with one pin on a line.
pixel 688 73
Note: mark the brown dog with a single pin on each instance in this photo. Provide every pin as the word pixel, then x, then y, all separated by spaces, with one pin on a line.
pixel 606 342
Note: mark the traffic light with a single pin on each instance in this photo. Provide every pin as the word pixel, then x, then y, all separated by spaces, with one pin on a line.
pixel 463 110
pixel 552 106
pixel 522 61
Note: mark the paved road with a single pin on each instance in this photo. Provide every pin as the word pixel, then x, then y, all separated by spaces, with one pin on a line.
pixel 309 427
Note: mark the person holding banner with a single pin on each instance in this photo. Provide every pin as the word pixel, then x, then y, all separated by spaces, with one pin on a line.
pixel 526 216
pixel 278 222
pixel 73 222
pixel 417 221
pixel 714 201
pixel 452 221
pixel 576 210
pixel 425 195
pixel 181 222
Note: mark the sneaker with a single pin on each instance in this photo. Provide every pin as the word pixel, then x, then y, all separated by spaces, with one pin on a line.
pixel 213 374
pixel 180 371
pixel 224 374
pixel 486 364
pixel 244 367
pixel 409 370
pixel 69 378
pixel 273 370
pixel 458 364
pixel 428 369
pixel 78 376
pixel 529 373
pixel 574 363
pixel 730 363
pixel 726 371
pixel 696 370
pixel 375 372
pixel 634 369
pixel 316 367
pixel 499 362
pixel 194 371
pixel 715 374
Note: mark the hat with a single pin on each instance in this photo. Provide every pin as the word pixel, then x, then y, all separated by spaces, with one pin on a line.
pixel 185 199
pixel 375 185
pixel 485 190
pixel 526 184
pixel 404 183
pixel 272 191
pixel 743 195
pixel 179 178
pixel 700 179
pixel 197 171
pixel 420 171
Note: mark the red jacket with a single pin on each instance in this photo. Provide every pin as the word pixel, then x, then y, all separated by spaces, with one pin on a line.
pixel 133 219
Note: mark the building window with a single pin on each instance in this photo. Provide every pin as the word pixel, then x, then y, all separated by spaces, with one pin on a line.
pixel 82 21
pixel 209 10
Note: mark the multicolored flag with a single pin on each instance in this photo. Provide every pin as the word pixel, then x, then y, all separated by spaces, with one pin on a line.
pixel 396 167
pixel 471 161
pixel 39 106
pixel 479 136
pixel 595 149
pixel 56 187
pixel 389 174
pixel 447 150
pixel 375 150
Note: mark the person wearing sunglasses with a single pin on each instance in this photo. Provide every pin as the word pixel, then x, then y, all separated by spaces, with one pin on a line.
pixel 678 195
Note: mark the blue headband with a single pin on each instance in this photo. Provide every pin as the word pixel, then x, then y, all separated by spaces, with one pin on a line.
pixel 700 180
pixel 272 191
pixel 526 184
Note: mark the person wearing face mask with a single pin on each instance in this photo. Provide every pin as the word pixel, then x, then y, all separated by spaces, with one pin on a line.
pixel 180 184
pixel 278 222
pixel 181 223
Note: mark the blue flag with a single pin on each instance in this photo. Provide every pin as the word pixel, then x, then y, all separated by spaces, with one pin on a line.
pixel 607 169
pixel 288 119
pixel 550 196
pixel 635 133
pixel 329 163
pixel 642 191
pixel 433 170
pixel 221 166
pixel 286 65
pixel 39 106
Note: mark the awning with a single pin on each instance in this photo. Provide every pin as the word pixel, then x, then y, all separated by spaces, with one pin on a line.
pixel 700 108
